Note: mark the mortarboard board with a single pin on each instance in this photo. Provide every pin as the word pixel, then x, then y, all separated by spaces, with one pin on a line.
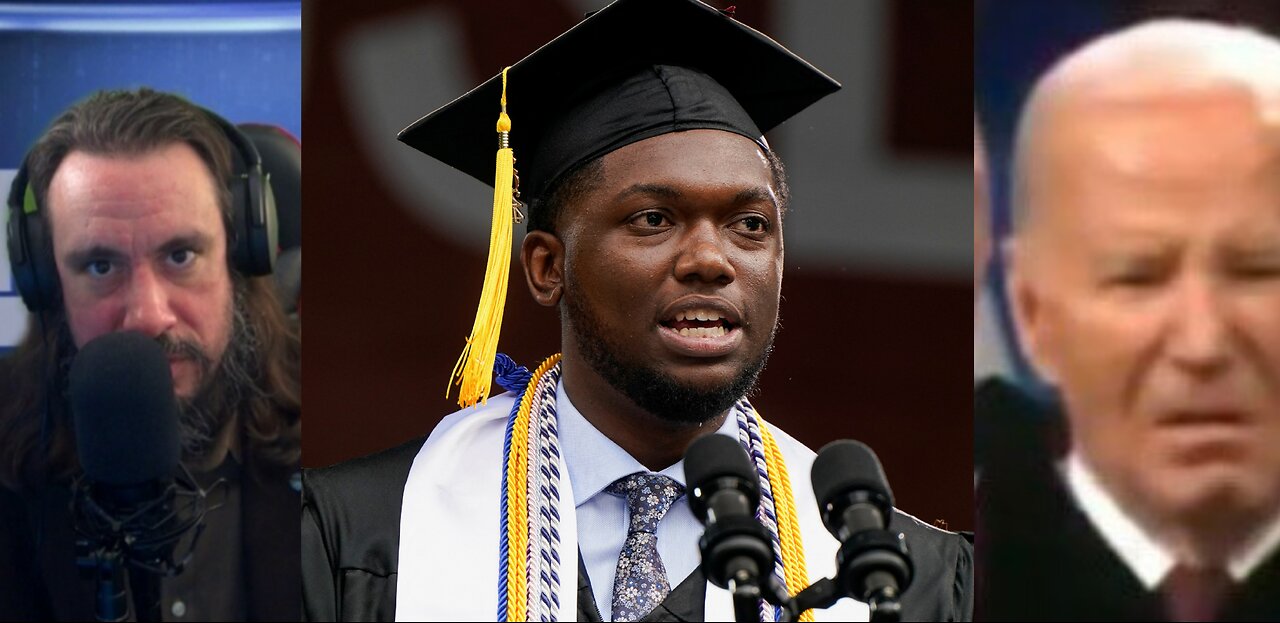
pixel 630 71
pixel 753 74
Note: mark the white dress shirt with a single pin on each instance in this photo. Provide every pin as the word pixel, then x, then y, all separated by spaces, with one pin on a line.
pixel 1149 559
pixel 594 461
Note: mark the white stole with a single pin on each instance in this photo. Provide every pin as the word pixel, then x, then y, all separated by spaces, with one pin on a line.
pixel 449 526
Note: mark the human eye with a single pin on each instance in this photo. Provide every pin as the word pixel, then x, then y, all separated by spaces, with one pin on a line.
pixel 99 268
pixel 753 226
pixel 1258 270
pixel 182 257
pixel 1253 263
pixel 1136 274
pixel 651 219
pixel 1134 279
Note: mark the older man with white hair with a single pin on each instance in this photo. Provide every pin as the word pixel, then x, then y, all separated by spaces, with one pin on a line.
pixel 1146 288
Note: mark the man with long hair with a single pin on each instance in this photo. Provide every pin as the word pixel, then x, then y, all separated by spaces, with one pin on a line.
pixel 135 192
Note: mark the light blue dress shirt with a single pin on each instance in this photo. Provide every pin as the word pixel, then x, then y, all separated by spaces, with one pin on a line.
pixel 594 462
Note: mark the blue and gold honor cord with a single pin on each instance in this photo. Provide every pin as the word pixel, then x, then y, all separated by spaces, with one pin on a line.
pixel 529 559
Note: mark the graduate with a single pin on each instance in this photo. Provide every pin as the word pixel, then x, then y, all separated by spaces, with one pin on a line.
pixel 633 145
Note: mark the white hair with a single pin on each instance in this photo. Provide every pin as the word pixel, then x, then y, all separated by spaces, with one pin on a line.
pixel 1154 59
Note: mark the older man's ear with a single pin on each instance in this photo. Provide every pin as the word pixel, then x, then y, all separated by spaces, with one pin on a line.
pixel 1027 306
pixel 981 208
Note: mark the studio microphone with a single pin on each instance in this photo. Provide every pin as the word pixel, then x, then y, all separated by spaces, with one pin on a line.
pixel 129 511
pixel 737 552
pixel 853 496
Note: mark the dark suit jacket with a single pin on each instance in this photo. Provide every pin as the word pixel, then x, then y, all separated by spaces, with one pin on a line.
pixel 45 584
pixel 351 540
pixel 1040 558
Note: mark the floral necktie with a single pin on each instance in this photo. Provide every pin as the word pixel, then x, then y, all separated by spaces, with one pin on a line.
pixel 641 580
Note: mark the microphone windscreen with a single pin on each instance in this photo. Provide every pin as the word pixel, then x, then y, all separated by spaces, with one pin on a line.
pixel 125 413
pixel 848 465
pixel 717 456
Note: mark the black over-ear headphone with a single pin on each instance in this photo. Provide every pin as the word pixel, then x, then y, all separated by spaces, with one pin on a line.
pixel 252 238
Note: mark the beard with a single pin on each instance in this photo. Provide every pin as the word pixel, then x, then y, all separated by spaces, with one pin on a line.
pixel 658 393
pixel 224 386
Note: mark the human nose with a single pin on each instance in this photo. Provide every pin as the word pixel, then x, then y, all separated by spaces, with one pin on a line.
pixel 703 256
pixel 1201 335
pixel 148 308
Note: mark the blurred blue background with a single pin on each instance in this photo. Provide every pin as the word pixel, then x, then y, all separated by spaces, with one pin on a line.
pixel 241 59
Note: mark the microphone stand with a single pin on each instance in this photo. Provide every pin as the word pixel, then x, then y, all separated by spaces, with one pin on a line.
pixel 736 556
pixel 748 591
pixel 870 563
pixel 130 551
pixel 146 593
pixel 110 590
pixel 746 596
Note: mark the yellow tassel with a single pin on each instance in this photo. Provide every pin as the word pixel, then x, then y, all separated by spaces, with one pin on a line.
pixel 474 371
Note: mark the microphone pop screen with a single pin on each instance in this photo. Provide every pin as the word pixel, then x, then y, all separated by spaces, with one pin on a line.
pixel 124 410
pixel 848 465
pixel 852 492
pixel 709 461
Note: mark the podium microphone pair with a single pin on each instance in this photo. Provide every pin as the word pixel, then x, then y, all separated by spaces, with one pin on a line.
pixel 873 565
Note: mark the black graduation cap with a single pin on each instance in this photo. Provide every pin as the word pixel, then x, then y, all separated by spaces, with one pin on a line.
pixel 633 70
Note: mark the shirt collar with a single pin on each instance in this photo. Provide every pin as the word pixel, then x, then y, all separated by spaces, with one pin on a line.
pixel 1256 551
pixel 594 461
pixel 1146 557
pixel 1149 559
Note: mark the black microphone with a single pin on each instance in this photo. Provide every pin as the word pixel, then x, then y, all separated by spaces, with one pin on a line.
pixel 852 491
pixel 853 496
pixel 126 428
pixel 737 553
pixel 125 414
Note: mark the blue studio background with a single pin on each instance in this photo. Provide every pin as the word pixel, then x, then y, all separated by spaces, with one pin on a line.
pixel 241 59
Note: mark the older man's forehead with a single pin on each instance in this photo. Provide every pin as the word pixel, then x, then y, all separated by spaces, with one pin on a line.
pixel 1212 135
pixel 1173 97
pixel 1164 55
pixel 1155 63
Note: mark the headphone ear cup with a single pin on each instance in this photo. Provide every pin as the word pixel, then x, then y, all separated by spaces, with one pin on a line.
pixel 255 244
pixel 271 226
pixel 255 224
pixel 241 248
pixel 20 260
pixel 35 273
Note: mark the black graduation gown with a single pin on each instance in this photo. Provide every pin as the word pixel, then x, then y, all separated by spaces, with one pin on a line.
pixel 1040 558
pixel 351 539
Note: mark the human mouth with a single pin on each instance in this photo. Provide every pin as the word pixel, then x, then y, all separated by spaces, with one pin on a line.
pixel 175 362
pixel 1207 434
pixel 701 330
pixel 1205 417
pixel 700 323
